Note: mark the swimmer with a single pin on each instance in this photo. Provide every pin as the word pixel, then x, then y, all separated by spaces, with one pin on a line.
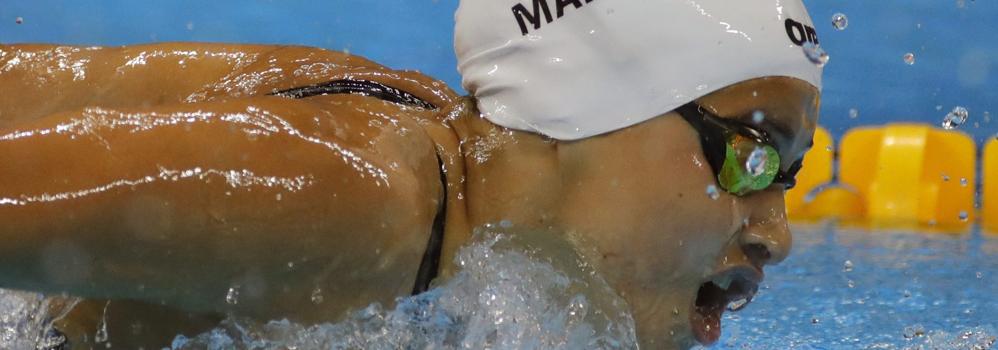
pixel 237 179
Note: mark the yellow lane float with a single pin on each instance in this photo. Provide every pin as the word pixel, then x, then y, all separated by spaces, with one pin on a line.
pixel 815 197
pixel 990 182
pixel 899 175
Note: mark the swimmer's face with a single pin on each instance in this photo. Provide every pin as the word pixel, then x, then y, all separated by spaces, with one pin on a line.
pixel 677 254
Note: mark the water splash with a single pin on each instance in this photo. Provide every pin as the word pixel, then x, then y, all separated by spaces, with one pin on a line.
pixel 503 298
pixel 26 319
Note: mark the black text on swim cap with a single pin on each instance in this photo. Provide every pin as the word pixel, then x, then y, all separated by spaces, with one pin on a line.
pixel 800 33
pixel 541 7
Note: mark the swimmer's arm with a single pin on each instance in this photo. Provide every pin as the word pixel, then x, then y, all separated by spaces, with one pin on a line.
pixel 273 198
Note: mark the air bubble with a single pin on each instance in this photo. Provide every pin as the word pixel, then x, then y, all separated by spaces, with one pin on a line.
pixel 909 58
pixel 980 275
pixel 816 54
pixel 815 320
pixel 847 266
pixel 840 21
pixel 755 165
pixel 964 216
pixel 851 284
pixel 853 113
pixel 232 297
pixel 963 182
pixel 19 20
pixel 955 118
pixel 712 192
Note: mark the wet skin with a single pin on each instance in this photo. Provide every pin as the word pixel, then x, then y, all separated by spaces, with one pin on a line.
pixel 339 192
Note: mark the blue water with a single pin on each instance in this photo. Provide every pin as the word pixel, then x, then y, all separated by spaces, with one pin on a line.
pixel 956 55
pixel 903 290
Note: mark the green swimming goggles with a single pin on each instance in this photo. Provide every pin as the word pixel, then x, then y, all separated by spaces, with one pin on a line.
pixel 744 158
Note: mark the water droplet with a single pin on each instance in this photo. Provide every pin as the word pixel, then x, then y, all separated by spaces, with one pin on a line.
pixel 232 297
pixel 963 182
pixel 675 310
pixel 755 165
pixel 19 20
pixel 758 117
pixel 840 21
pixel 964 216
pixel 851 284
pixel 980 275
pixel 712 192
pixel 914 331
pixel 909 58
pixel 816 54
pixel 815 320
pixel 829 148
pixel 853 113
pixel 739 304
pixel 944 177
pixel 847 266
pixel 278 197
pixel 955 118
pixel 101 335
pixel 907 293
pixel 505 224
pixel 317 297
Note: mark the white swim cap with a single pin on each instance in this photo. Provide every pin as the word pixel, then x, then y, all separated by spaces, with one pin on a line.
pixel 571 69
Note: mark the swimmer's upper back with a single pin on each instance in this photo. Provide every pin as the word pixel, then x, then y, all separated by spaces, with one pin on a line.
pixel 39 80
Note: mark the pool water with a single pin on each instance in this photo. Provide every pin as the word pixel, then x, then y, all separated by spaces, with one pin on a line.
pixel 855 289
pixel 840 289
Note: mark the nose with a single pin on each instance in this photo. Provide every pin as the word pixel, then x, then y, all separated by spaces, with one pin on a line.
pixel 766 237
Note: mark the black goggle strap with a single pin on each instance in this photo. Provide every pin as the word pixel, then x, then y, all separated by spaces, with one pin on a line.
pixel 712 139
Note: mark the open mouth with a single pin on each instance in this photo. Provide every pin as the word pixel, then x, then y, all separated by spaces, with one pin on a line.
pixel 730 290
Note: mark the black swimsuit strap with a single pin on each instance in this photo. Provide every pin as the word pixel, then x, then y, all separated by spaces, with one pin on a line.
pixel 430 265
pixel 360 87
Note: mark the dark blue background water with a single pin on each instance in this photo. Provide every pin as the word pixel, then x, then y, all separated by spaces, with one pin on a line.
pixel 956 48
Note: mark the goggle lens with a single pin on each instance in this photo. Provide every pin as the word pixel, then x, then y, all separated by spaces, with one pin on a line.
pixel 748 166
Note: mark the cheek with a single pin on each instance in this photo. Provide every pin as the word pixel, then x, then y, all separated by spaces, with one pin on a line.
pixel 690 226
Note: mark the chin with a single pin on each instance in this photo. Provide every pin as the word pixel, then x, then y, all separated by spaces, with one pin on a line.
pixel 694 317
